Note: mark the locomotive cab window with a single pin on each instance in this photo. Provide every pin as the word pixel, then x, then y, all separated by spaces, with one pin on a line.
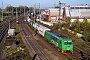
pixel 69 42
pixel 66 42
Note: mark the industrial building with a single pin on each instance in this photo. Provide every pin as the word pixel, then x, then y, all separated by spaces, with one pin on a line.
pixel 77 12
pixel 54 14
pixel 74 12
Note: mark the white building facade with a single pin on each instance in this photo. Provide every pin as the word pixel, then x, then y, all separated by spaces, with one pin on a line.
pixel 78 12
pixel 54 14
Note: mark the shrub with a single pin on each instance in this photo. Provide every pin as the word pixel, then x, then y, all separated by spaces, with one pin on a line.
pixel 87 36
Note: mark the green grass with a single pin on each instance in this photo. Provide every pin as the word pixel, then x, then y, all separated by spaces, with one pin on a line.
pixel 17 36
pixel 16 28
pixel 4 17
pixel 22 44
pixel 10 52
pixel 27 55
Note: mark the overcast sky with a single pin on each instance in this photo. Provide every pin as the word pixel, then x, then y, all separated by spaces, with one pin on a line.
pixel 43 3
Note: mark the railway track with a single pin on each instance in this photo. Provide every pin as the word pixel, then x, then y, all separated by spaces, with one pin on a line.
pixel 3 34
pixel 4 27
pixel 37 51
pixel 47 49
pixel 75 56
pixel 78 54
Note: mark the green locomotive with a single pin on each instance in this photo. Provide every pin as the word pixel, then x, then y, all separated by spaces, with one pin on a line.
pixel 32 23
pixel 63 43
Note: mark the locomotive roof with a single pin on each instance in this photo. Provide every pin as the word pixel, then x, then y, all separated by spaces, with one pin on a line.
pixel 57 34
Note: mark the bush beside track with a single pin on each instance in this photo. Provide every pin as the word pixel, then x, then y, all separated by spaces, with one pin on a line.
pixel 21 44
pixel 20 52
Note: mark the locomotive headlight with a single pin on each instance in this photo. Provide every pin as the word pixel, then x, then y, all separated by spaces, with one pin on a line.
pixel 17 21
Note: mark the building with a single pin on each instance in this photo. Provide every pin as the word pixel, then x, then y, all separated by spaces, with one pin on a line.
pixel 54 14
pixel 43 14
pixel 78 12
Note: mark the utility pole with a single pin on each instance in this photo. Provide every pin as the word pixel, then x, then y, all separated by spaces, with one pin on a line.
pixel 2 10
pixel 24 10
pixel 59 18
pixel 29 9
pixel 20 10
pixel 16 15
pixel 8 17
pixel 34 12
pixel 39 11
pixel 39 8
pixel 37 4
pixel 12 11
